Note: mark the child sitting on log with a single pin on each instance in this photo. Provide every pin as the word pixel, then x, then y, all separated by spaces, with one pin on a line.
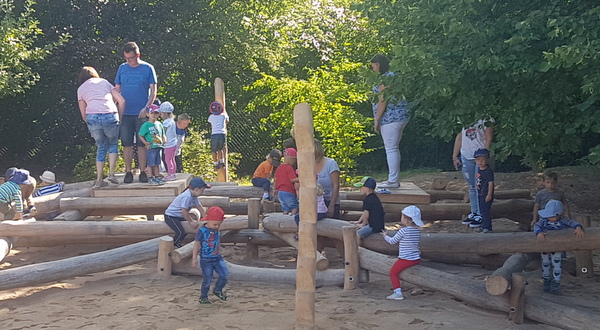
pixel 372 219
pixel 551 218
pixel 207 244
pixel 407 238
pixel 264 172
pixel 179 210
pixel 48 185
pixel 549 193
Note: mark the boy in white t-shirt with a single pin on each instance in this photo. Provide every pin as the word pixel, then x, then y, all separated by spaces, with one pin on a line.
pixel 218 120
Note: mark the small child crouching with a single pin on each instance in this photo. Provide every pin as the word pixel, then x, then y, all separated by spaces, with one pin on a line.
pixel 207 244
pixel 408 239
pixel 551 219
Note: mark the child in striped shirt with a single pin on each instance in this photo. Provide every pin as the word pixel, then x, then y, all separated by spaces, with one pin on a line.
pixel 11 201
pixel 48 185
pixel 407 239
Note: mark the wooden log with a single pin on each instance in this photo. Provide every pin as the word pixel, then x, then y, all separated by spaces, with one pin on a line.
pixel 437 195
pixel 97 203
pixel 329 277
pixel 500 280
pixel 184 252
pixel 517 299
pixel 538 309
pixel 253 223
pixel 76 266
pixel 439 183
pixel 51 203
pixel 5 246
pixel 585 259
pixel 355 215
pixel 51 241
pixel 490 260
pixel 222 173
pixel 165 264
pixel 351 257
pixel 234 191
pixel 560 240
pixel 322 261
pixel 78 228
pixel 72 215
pixel 236 208
pixel 256 236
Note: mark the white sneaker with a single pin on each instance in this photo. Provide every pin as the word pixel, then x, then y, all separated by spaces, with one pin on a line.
pixel 395 296
pixel 387 184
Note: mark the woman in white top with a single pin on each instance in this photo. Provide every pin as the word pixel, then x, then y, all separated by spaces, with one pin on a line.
pixel 97 98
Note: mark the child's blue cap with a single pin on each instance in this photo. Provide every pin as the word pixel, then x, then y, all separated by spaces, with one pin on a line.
pixel 198 183
pixel 368 182
pixel 553 208
pixel 21 177
pixel 481 152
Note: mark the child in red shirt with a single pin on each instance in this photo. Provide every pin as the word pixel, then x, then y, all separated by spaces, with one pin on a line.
pixel 285 177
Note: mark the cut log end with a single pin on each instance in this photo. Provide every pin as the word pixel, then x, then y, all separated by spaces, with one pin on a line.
pixel 496 285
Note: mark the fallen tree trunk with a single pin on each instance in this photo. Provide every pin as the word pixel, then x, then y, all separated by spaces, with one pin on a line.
pixel 72 215
pixel 234 191
pixel 473 292
pixel 98 203
pixel 51 203
pixel 560 240
pixel 322 261
pixel 77 266
pixel 79 228
pixel 500 280
pixel 50 241
pixel 437 195
pixel 329 277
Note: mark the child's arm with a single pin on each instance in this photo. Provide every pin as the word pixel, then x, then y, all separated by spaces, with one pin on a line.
pixel 536 208
pixel 396 238
pixel 195 253
pixel 18 199
pixel 363 220
pixel 146 143
pixel 539 231
pixel 490 193
pixel 579 232
pixel 295 180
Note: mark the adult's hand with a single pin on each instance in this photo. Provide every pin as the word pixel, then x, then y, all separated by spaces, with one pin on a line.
pixel 457 163
pixel 377 127
pixel 142 113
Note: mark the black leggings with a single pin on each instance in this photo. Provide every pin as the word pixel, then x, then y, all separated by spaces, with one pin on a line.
pixel 177 226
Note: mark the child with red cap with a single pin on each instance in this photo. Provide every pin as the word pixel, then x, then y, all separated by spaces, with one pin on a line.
pixel 207 244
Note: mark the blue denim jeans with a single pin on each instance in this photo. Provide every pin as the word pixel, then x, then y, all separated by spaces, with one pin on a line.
pixel 104 128
pixel 287 200
pixel 208 266
pixel 469 171
pixel 262 182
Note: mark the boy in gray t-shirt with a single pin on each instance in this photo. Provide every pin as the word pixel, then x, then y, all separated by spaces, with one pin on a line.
pixel 549 193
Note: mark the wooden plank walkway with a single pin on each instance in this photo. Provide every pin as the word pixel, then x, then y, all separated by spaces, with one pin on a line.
pixel 138 189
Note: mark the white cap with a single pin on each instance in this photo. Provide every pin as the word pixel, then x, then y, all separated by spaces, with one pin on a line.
pixel 48 177
pixel 414 213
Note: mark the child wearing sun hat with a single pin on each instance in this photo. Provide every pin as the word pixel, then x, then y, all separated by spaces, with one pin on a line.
pixel 48 185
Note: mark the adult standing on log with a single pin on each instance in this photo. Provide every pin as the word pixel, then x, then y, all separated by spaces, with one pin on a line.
pixel 97 98
pixel 136 81
pixel 391 117
pixel 328 176
pixel 478 136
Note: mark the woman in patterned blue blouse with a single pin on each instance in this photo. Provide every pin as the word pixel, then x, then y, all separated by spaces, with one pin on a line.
pixel 390 119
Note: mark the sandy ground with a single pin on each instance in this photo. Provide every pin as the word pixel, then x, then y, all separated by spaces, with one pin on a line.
pixel 134 297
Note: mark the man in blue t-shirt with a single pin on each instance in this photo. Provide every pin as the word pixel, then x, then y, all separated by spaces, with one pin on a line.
pixel 136 81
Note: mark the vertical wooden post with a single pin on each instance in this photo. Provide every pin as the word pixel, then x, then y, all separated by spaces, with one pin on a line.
pixel 584 259
pixel 253 223
pixel 222 174
pixel 307 243
pixel 351 257
pixel 517 299
pixel 165 264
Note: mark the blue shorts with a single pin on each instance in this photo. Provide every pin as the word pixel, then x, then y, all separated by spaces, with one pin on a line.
pixel 153 156
pixel 130 127
pixel 217 142
pixel 288 201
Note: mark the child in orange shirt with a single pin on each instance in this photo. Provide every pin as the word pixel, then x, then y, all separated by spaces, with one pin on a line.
pixel 264 172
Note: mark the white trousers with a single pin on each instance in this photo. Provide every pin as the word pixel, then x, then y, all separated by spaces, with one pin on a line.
pixel 392 134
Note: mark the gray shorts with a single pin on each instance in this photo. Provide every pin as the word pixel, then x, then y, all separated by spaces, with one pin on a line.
pixel 130 127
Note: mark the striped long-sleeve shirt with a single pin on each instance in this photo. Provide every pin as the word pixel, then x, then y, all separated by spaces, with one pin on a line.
pixel 408 239
pixel 544 224
pixel 11 192
pixel 51 189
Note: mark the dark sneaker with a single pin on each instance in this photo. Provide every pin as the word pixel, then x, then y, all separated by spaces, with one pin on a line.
pixel 554 287
pixel 469 219
pixel 143 177
pixel 204 301
pixel 476 223
pixel 547 282
pixel 128 177
pixel 221 295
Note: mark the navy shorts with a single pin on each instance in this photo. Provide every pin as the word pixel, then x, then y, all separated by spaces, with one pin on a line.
pixel 130 127
pixel 153 156
pixel 217 142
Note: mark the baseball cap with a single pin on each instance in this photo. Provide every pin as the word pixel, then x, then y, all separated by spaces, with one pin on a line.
pixel 48 177
pixel 215 213
pixel 275 157
pixel 166 107
pixel 481 152
pixel 153 108
pixel 553 208
pixel 216 108
pixel 198 183
pixel 414 213
pixel 290 152
pixel 366 181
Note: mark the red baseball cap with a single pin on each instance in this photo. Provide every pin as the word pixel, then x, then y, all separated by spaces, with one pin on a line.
pixel 290 152
pixel 215 213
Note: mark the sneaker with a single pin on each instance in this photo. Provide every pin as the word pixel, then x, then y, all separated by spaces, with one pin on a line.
pixel 470 218
pixel 113 179
pixel 159 180
pixel 128 178
pixel 221 295
pixel 170 177
pixel 100 184
pixel 153 182
pixel 483 230
pixel 476 223
pixel 395 296
pixel 143 177
pixel 547 282
pixel 554 287
pixel 387 184
pixel 32 211
pixel 383 191
pixel 204 301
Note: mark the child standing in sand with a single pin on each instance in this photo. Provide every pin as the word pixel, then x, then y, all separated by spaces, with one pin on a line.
pixel 551 219
pixel 407 238
pixel 179 210
pixel 207 244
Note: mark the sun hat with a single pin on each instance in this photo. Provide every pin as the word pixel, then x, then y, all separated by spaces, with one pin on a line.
pixel 166 107
pixel 48 177
pixel 198 183
pixel 275 156
pixel 21 177
pixel 368 182
pixel 481 152
pixel 414 213
pixel 216 108
pixel 552 209
pixel 215 213
pixel 290 152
